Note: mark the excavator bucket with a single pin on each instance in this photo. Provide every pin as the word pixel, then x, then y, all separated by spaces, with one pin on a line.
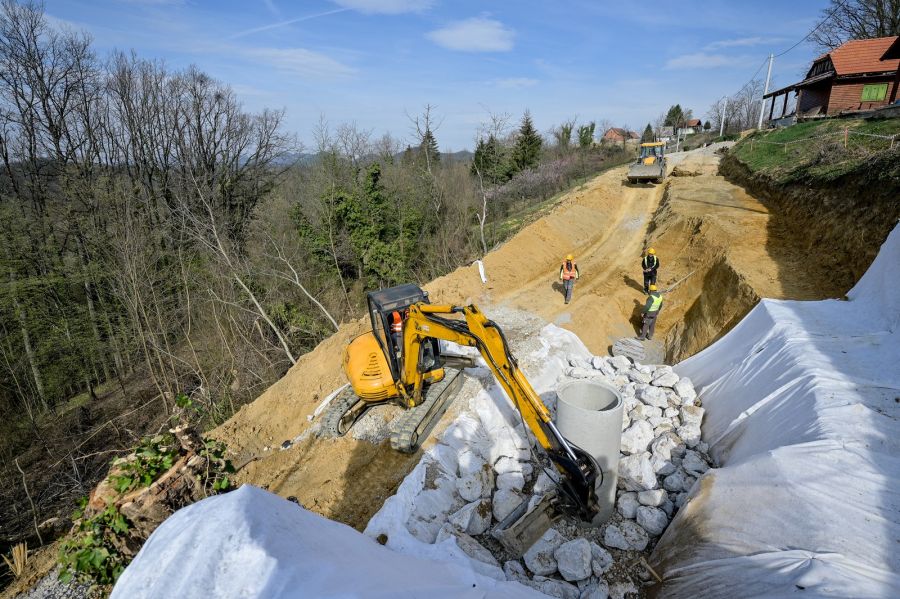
pixel 526 524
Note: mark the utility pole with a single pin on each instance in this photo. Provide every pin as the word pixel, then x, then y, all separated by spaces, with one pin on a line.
pixel 762 107
pixel 722 120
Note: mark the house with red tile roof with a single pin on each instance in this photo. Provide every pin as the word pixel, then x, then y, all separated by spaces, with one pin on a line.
pixel 619 134
pixel 858 75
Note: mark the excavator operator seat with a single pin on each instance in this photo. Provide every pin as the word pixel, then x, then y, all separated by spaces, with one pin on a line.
pixel 382 304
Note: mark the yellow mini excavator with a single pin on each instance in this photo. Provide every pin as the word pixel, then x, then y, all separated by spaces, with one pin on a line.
pixel 650 165
pixel 399 361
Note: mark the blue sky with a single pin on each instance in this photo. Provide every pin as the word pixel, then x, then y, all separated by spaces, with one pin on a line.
pixel 374 61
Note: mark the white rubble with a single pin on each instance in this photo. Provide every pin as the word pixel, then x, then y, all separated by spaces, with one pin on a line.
pixel 654 497
pixel 540 557
pixel 514 570
pixel 513 481
pixel 601 560
pixel 652 396
pixel 690 434
pixel 685 390
pixel 487 471
pixel 573 559
pixel 505 501
pixel 636 472
pixel 652 519
pixel 625 535
pixel 666 379
pixel 692 415
pixel 627 504
pixel 554 588
pixel 474 518
pixel 637 438
pixel 475 485
pixel 596 590
pixel 693 463
pixel 675 482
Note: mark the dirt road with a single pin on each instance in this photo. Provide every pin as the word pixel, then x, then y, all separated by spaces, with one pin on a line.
pixel 728 243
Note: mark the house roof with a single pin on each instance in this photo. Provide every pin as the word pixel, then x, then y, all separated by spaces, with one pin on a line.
pixel 893 50
pixel 693 123
pixel 621 132
pixel 863 56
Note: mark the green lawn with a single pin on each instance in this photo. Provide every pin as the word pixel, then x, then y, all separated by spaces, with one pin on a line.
pixel 815 150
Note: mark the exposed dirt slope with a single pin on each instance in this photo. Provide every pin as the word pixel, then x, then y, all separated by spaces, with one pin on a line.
pixel 698 223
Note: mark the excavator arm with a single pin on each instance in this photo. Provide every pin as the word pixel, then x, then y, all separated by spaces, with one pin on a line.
pixel 578 472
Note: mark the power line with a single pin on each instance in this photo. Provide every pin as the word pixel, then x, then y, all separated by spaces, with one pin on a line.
pixel 814 29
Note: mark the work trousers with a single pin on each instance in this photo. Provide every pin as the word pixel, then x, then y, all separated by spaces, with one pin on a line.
pixel 649 279
pixel 569 284
pixel 649 325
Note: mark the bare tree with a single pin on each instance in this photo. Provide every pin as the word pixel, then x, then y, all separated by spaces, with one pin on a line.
pixel 494 129
pixel 856 19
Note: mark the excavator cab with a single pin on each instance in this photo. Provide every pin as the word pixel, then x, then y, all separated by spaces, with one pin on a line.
pixel 385 308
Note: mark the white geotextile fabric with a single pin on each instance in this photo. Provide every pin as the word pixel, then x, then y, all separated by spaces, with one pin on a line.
pixel 803 414
pixel 252 544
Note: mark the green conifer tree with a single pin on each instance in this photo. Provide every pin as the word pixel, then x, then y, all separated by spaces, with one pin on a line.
pixel 527 151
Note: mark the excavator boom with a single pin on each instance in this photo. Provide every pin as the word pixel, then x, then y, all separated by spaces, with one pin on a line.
pixel 577 472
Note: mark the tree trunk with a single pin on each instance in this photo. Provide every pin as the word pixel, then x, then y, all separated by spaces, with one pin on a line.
pixel 26 341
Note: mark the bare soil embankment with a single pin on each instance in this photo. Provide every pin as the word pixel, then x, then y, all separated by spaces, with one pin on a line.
pixel 729 243
pixel 841 220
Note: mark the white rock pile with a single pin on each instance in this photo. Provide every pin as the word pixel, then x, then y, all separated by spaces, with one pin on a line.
pixel 472 486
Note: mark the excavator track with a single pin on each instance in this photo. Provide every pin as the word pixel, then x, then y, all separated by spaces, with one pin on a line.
pixel 416 423
pixel 341 414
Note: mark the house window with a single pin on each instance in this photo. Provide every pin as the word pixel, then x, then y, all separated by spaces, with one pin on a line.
pixel 875 92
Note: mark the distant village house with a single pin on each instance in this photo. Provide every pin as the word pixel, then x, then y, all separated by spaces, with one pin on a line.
pixel 858 75
pixel 691 126
pixel 618 134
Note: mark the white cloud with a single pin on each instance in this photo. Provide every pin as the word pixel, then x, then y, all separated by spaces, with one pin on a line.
pixel 515 82
pixel 700 60
pixel 386 7
pixel 744 42
pixel 300 61
pixel 478 34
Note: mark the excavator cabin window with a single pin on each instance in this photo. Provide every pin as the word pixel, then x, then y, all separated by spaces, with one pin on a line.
pixel 382 307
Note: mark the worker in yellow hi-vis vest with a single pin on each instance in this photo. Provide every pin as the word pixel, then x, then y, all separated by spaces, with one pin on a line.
pixel 651 311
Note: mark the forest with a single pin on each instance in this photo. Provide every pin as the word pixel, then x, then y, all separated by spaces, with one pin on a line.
pixel 161 242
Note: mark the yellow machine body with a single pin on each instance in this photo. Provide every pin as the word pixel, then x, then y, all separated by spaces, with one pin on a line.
pixel 367 370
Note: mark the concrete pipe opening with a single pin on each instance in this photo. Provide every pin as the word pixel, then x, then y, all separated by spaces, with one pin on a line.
pixel 589 414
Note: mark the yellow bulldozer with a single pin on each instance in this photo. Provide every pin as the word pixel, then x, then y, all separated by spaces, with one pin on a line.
pixel 400 362
pixel 650 164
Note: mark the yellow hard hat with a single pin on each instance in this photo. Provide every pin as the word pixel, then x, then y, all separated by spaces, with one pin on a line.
pixel 651 251
pixel 570 257
pixel 652 287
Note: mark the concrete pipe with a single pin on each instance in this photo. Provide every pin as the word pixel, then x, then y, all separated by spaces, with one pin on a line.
pixel 589 414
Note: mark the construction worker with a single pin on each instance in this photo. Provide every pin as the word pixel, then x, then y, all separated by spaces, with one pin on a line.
pixel 651 311
pixel 568 274
pixel 649 264
pixel 397 331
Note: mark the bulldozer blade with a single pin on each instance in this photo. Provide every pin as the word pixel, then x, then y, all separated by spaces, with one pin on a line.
pixel 524 527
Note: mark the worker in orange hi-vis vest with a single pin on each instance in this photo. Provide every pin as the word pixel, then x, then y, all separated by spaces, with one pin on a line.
pixel 397 331
pixel 568 274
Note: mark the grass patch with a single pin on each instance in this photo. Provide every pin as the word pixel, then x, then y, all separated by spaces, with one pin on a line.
pixel 815 151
